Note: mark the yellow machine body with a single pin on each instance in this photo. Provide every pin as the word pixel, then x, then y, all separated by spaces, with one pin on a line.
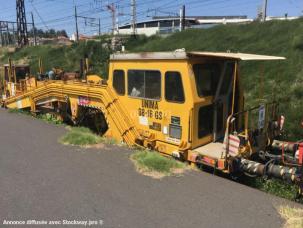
pixel 177 103
pixel 173 125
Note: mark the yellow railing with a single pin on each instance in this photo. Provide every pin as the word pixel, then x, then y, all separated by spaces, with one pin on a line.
pixel 112 108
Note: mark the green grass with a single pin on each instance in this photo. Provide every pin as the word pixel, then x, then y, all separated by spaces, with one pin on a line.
pixel 80 136
pixel 21 111
pixel 273 186
pixel 65 57
pixel 154 161
pixel 50 118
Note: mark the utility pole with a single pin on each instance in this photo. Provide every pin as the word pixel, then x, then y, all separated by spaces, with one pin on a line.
pixel 7 34
pixel 264 14
pixel 134 17
pixel 1 37
pixel 99 25
pixel 21 23
pixel 112 9
pixel 34 30
pixel 4 33
pixel 117 25
pixel 182 18
pixel 180 23
pixel 76 20
pixel 14 34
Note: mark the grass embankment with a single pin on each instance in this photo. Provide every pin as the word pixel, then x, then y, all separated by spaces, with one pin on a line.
pixel 293 216
pixel 64 57
pixel 80 136
pixel 155 165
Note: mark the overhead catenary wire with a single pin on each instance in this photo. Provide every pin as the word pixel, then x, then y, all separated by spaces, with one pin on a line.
pixel 40 16
pixel 61 13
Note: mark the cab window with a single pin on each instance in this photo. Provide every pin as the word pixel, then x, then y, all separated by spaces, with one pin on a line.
pixel 119 82
pixel 144 84
pixel 207 78
pixel 173 87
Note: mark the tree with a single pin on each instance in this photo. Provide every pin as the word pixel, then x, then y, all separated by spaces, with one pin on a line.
pixel 51 33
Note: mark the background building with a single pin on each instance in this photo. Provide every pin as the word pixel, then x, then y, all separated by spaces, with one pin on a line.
pixel 168 24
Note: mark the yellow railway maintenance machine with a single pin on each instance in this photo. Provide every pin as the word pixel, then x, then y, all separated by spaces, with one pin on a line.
pixel 189 105
pixel 13 79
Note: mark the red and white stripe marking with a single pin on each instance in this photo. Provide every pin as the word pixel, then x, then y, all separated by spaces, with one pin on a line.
pixel 233 145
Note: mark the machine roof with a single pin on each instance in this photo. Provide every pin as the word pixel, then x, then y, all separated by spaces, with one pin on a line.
pixel 181 54
pixel 239 56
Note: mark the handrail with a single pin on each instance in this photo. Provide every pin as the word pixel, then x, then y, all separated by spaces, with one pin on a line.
pixel 246 113
pixel 254 108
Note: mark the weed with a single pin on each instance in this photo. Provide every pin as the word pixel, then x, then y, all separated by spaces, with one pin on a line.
pixel 50 118
pixel 148 161
pixel 273 186
pixel 80 136
pixel 21 111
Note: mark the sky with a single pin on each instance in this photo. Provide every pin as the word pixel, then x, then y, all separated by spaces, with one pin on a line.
pixel 59 14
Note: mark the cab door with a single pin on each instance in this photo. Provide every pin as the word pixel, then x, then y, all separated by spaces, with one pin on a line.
pixel 207 77
pixel 223 100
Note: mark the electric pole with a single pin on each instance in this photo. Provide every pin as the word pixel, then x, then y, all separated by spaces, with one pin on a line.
pixel 264 14
pixel 182 18
pixel 112 9
pixel 99 25
pixel 21 23
pixel 34 30
pixel 7 34
pixel 76 21
pixel 1 37
pixel 134 17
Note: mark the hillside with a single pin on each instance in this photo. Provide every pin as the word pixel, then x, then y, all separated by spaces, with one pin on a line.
pixel 283 80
